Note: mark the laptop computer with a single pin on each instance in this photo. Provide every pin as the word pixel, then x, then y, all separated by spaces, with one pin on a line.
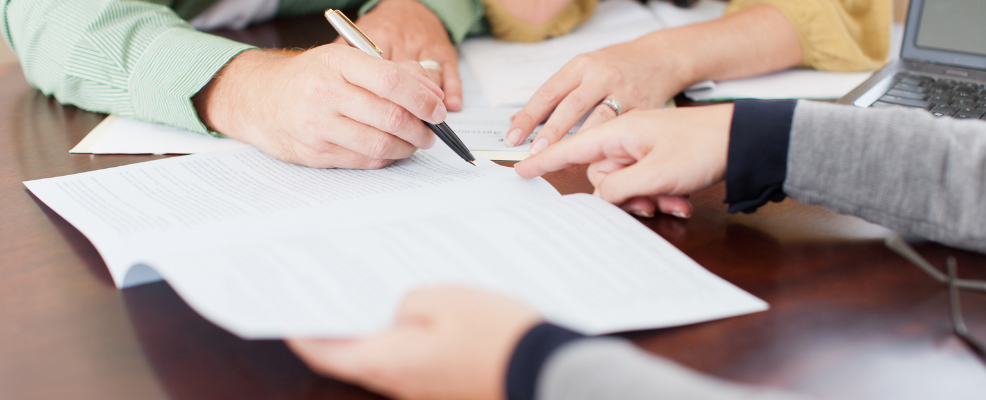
pixel 942 64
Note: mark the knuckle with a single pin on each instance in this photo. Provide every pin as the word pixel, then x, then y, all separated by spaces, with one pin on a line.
pixel 546 94
pixel 390 79
pixel 610 73
pixel 550 132
pixel 424 98
pixel 395 118
pixel 312 158
pixel 603 111
pixel 582 59
pixel 381 148
pixel 576 102
pixel 412 65
pixel 524 118
pixel 319 90
pixel 378 163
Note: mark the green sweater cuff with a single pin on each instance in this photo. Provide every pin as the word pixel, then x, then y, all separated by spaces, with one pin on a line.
pixel 461 17
pixel 162 93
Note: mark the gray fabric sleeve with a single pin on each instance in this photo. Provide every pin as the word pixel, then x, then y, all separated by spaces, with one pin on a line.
pixel 610 368
pixel 900 168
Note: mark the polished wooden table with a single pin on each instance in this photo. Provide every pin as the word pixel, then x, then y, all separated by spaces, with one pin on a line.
pixel 849 319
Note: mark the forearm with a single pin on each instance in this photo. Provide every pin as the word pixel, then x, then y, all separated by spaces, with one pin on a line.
pixel 224 104
pixel 903 169
pixel 552 363
pixel 750 42
pixel 113 56
pixel 835 35
pixel 608 368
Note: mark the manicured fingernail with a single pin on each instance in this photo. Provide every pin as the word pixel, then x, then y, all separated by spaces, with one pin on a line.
pixel 642 214
pixel 541 144
pixel 513 137
pixel 681 215
pixel 439 114
pixel 431 142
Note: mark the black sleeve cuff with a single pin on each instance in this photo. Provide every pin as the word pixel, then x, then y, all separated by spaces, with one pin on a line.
pixel 757 162
pixel 529 356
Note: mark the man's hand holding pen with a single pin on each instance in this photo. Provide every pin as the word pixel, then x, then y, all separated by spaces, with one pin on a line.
pixel 328 107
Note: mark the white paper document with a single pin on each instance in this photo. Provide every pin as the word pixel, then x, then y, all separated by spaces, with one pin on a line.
pixel 788 84
pixel 122 135
pixel 483 127
pixel 267 249
pixel 510 72
pixel 672 16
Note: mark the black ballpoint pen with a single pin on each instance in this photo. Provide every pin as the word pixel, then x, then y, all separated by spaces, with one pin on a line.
pixel 355 37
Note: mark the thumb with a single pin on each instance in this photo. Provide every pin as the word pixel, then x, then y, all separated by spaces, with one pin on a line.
pixel 342 358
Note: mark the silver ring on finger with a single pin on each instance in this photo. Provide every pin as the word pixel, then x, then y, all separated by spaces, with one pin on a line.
pixel 615 105
pixel 431 64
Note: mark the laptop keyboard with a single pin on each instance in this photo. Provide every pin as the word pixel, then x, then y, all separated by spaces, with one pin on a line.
pixel 941 97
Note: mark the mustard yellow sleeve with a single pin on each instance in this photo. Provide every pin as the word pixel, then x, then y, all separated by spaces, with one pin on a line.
pixel 505 26
pixel 836 35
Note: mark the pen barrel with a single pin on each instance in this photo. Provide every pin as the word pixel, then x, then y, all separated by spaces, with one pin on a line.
pixel 351 34
pixel 451 140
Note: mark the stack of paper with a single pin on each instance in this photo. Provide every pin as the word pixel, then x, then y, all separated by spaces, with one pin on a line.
pixel 121 135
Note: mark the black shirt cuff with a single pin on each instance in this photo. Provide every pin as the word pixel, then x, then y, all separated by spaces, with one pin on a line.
pixel 529 356
pixel 757 162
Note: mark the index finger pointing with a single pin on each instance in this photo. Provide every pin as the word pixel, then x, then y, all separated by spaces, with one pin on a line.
pixel 583 148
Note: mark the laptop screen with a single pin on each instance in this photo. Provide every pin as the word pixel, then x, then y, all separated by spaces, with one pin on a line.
pixel 953 25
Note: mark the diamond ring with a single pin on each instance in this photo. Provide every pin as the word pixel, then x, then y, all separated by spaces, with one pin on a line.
pixel 615 105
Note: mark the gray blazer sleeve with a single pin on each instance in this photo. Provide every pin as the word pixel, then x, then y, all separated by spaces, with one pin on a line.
pixel 610 368
pixel 900 168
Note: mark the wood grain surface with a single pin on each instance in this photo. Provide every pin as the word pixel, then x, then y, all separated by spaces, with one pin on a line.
pixel 849 319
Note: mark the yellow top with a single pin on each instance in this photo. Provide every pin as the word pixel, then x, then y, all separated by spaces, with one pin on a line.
pixel 836 35
pixel 505 26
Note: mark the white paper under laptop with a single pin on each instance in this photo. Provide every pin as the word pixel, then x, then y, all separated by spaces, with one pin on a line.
pixel 267 249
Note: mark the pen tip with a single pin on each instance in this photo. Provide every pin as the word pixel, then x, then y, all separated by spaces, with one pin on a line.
pixel 474 163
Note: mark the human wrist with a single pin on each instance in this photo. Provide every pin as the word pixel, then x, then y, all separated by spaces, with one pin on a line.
pixel 681 69
pixel 756 165
pixel 529 356
pixel 224 104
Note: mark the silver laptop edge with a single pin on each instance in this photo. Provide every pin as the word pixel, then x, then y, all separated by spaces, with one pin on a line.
pixel 922 61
